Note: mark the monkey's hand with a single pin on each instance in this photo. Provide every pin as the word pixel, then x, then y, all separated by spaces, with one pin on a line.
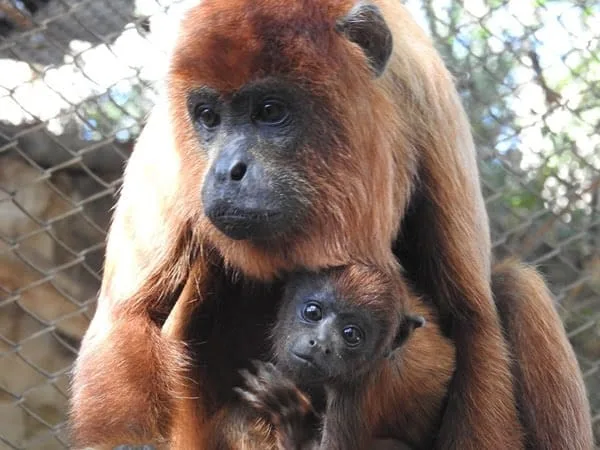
pixel 279 400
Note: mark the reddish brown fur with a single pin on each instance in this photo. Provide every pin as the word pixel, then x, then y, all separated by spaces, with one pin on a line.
pixel 380 292
pixel 417 380
pixel 544 357
pixel 402 139
pixel 404 395
pixel 127 359
pixel 238 429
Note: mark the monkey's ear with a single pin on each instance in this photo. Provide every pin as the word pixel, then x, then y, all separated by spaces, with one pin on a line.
pixel 408 325
pixel 415 321
pixel 364 25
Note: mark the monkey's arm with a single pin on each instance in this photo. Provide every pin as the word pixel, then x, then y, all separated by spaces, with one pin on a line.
pixel 128 370
pixel 444 245
pixel 550 390
pixel 450 264
pixel 141 380
pixel 344 424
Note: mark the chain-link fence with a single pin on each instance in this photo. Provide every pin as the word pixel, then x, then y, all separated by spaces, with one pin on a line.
pixel 76 83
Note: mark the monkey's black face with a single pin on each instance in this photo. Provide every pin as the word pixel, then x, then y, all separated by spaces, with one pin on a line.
pixel 328 344
pixel 254 139
pixel 321 337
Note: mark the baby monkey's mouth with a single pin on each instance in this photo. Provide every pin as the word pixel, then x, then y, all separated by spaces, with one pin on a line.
pixel 308 369
pixel 308 359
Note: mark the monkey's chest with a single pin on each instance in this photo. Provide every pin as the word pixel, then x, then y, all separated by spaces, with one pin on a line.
pixel 229 330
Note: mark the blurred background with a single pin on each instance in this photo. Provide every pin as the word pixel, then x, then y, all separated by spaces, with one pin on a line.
pixel 77 78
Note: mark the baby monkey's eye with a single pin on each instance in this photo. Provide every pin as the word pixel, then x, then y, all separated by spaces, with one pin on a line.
pixel 312 312
pixel 352 335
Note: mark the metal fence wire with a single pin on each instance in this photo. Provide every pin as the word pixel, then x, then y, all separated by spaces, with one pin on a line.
pixel 76 81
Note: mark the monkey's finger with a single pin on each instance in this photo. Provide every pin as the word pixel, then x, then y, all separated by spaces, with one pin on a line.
pixel 253 383
pixel 271 375
pixel 177 321
pixel 252 399
pixel 256 364
pixel 255 402
pixel 271 397
pixel 245 374
pixel 269 366
pixel 249 397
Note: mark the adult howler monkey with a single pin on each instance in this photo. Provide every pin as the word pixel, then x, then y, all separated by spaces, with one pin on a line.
pixel 306 134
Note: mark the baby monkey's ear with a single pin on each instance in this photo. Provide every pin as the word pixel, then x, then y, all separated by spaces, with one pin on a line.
pixel 408 324
pixel 415 321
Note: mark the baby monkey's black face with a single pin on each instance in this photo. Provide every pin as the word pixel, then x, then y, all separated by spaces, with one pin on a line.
pixel 323 335
pixel 324 338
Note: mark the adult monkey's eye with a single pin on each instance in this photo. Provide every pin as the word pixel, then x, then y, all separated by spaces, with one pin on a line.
pixel 312 312
pixel 271 112
pixel 352 335
pixel 207 116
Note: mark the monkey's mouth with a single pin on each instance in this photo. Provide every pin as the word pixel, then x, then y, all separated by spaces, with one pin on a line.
pixel 240 224
pixel 305 370
pixel 306 360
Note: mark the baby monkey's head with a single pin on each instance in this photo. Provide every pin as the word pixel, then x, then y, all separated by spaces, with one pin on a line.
pixel 332 325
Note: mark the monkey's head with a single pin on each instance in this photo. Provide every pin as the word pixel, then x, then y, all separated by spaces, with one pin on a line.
pixel 274 105
pixel 332 325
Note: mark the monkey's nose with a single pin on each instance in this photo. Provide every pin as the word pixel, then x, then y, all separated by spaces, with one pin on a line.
pixel 232 169
pixel 323 348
